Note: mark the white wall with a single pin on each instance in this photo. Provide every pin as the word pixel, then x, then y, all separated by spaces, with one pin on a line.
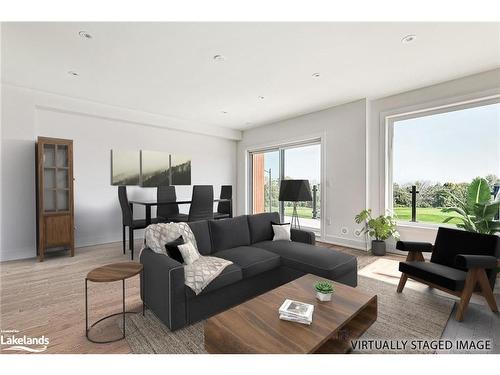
pixel 27 114
pixel 343 132
pixel 354 136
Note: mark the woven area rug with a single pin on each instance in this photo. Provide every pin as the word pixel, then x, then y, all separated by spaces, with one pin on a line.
pixel 411 315
pixel 406 316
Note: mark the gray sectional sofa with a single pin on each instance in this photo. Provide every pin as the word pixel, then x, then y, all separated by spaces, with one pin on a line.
pixel 259 265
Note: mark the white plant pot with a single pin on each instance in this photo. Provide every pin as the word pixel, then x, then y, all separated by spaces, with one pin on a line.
pixel 324 296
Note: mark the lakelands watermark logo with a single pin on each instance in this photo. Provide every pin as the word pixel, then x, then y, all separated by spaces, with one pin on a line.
pixel 13 341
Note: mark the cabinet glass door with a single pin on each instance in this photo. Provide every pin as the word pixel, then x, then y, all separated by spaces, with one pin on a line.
pixel 49 177
pixel 56 177
pixel 62 156
pixel 62 178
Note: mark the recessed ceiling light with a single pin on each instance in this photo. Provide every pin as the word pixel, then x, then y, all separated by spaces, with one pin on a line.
pixel 84 34
pixel 219 58
pixel 409 39
pixel 315 75
pixel 73 73
pixel 260 97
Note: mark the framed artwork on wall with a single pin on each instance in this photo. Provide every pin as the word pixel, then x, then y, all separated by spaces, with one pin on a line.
pixel 180 167
pixel 155 168
pixel 125 167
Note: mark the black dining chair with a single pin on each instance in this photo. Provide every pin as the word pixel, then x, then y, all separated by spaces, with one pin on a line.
pixel 225 209
pixel 129 221
pixel 168 212
pixel 202 203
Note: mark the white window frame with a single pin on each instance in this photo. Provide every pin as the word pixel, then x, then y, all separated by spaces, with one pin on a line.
pixel 389 143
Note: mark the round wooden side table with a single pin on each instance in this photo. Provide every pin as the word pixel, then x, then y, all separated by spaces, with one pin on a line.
pixel 110 273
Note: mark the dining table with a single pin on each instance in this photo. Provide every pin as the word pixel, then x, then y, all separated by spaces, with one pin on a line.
pixel 149 203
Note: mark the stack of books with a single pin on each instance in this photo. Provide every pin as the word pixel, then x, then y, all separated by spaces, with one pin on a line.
pixel 295 311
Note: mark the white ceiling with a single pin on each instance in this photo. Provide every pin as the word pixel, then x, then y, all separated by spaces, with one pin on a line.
pixel 168 68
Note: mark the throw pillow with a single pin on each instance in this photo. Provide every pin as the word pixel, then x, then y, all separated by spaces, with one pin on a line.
pixel 173 250
pixel 281 232
pixel 189 253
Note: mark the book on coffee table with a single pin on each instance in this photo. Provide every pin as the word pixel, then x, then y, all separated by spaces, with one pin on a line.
pixel 296 311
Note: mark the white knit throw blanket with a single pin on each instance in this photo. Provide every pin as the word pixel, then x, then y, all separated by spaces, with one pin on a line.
pixel 198 274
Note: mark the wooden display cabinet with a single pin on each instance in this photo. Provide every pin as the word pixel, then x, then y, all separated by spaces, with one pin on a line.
pixel 54 203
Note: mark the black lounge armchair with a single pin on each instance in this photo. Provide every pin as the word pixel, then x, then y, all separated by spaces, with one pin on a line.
pixel 461 263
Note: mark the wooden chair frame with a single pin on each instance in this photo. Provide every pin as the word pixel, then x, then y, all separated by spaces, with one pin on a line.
pixel 475 276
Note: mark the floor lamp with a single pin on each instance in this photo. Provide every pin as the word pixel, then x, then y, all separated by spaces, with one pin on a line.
pixel 295 191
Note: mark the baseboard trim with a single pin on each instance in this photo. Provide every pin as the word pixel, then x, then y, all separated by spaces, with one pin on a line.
pixel 17 254
pixel 30 253
pixel 347 242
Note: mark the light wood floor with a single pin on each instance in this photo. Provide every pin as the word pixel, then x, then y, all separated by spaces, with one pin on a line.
pixel 48 298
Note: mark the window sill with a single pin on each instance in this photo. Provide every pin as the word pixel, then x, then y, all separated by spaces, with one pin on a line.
pixel 420 225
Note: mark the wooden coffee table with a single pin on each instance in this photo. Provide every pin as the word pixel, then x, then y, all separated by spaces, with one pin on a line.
pixel 255 327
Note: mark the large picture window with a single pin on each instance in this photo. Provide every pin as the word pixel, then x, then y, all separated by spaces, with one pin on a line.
pixel 440 153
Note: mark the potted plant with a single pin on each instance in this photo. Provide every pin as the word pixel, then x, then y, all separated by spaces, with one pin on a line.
pixel 380 228
pixel 478 212
pixel 324 290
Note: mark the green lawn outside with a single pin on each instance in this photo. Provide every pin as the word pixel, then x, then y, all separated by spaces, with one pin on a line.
pixel 425 215
pixel 303 212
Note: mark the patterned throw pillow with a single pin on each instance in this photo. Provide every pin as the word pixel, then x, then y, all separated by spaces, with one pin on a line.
pixel 281 232
pixel 189 253
pixel 173 250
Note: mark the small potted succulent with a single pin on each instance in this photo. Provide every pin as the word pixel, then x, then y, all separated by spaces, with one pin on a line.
pixel 324 290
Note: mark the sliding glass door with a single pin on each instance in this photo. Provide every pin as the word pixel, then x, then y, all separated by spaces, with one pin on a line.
pixel 265 181
pixel 304 163
pixel 268 167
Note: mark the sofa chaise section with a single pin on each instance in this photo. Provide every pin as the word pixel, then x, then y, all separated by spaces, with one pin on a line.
pixel 300 253
pixel 317 260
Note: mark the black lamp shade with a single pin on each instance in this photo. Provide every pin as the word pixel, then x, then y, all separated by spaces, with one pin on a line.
pixel 295 191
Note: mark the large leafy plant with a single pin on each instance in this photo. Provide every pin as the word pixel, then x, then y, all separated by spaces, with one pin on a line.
pixel 381 228
pixel 478 210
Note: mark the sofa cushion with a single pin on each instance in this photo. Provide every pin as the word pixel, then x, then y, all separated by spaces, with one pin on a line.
pixel 251 260
pixel 230 275
pixel 260 226
pixel 320 261
pixel 202 234
pixel 450 278
pixel 229 233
